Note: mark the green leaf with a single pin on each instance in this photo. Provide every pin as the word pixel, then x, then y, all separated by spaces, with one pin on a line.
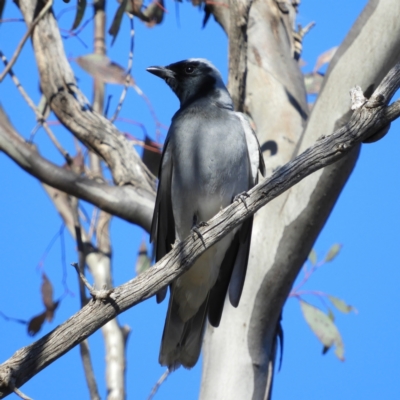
pixel 80 11
pixel 340 304
pixel 312 257
pixel 331 315
pixel 333 252
pixel 324 328
pixel 143 261
pixel 116 24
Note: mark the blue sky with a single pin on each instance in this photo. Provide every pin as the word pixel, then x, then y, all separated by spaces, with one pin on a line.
pixel 365 221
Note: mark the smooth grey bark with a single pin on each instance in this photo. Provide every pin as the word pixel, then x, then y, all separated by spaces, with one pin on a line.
pixel 285 230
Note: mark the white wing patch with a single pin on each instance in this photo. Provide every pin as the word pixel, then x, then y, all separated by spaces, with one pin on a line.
pixel 253 147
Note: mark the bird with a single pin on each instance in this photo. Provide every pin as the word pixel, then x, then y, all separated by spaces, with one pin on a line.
pixel 211 157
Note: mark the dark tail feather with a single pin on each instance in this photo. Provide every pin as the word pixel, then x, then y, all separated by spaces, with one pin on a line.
pixel 160 295
pixel 240 267
pixel 181 341
pixel 218 292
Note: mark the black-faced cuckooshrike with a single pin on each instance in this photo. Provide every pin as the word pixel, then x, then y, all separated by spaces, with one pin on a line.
pixel 210 156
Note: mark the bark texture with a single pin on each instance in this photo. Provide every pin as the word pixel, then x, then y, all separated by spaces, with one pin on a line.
pixel 285 230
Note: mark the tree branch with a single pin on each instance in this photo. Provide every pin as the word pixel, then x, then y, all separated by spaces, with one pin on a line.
pixel 39 117
pixel 370 118
pixel 134 204
pixel 71 107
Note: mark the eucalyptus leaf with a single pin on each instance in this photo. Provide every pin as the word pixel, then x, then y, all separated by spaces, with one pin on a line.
pixel 333 252
pixel 340 304
pixel 312 257
pixel 102 68
pixel 324 328
pixel 143 260
pixel 116 24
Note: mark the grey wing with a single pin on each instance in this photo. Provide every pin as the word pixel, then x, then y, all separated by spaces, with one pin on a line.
pixel 234 266
pixel 232 273
pixel 162 232
pixel 244 235
pixel 253 146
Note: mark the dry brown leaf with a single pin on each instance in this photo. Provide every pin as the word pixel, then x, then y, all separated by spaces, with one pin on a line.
pixel 35 324
pixel 47 292
pixel 102 68
pixel 325 58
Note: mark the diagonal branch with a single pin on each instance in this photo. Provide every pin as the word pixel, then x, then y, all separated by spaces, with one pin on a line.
pixel 366 121
pixel 71 107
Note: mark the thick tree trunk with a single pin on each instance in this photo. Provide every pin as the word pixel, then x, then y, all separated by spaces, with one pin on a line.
pixel 239 356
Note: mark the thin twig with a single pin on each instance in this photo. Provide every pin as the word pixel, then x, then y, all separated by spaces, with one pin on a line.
pixel 93 222
pixel 7 379
pixel 84 346
pixel 88 368
pixel 129 79
pixel 307 276
pixel 32 105
pixel 25 38
pixel 131 121
pixel 163 377
pixel 7 318
pixel 152 112
pixel 102 294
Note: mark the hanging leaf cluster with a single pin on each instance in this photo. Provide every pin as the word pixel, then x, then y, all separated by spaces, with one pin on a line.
pixel 320 322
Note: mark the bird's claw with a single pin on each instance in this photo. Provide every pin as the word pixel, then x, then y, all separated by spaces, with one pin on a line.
pixel 173 245
pixel 242 197
pixel 196 230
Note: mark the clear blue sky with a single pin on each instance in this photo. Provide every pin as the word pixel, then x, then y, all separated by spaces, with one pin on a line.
pixel 365 221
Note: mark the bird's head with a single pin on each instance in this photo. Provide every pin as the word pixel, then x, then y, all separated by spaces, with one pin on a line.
pixel 192 79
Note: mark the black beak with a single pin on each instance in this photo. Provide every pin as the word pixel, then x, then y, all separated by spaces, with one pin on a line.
pixel 161 72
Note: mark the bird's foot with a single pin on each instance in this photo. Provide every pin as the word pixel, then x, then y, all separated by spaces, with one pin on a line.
pixel 196 230
pixel 242 197
pixel 173 245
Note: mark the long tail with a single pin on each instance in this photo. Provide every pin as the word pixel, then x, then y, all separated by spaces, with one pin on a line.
pixel 181 341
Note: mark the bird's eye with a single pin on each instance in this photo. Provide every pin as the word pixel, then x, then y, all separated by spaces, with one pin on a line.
pixel 189 69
